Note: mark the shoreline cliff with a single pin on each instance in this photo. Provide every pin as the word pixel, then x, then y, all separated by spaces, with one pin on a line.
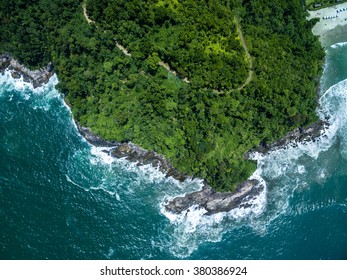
pixel 207 198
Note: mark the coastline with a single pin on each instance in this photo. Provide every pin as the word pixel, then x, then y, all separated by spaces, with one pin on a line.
pixel 206 198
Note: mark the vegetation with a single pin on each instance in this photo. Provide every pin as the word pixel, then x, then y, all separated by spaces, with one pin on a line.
pixel 197 38
pixel 203 126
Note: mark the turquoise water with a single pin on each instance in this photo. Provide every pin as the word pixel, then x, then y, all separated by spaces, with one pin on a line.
pixel 61 198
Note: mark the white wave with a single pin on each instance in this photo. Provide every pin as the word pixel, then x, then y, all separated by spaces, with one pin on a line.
pixel 16 84
pixel 190 229
pixel 251 208
pixel 304 208
pixel 301 169
pixel 338 45
pixel 333 106
pixel 20 85
pixel 193 227
pixel 285 168
pixel 105 189
pixel 72 182
pixel 101 155
pixel 39 97
pixel 150 174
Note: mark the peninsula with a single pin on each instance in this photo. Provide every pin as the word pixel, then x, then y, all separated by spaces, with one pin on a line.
pixel 199 83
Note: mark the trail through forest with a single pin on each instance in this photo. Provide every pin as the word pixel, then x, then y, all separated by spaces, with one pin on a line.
pixel 249 58
pixel 167 67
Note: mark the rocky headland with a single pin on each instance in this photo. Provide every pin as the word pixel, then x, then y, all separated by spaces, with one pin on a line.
pixel 214 202
pixel 207 198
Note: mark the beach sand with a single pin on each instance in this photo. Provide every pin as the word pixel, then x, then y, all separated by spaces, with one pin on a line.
pixel 324 27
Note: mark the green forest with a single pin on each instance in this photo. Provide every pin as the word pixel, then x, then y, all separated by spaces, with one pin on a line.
pixel 203 115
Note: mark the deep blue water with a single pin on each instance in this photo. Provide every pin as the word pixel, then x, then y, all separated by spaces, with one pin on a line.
pixel 61 198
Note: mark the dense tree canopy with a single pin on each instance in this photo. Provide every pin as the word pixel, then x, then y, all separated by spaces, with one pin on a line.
pixel 197 38
pixel 203 126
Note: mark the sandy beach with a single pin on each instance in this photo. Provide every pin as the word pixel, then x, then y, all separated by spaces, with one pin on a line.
pixel 330 18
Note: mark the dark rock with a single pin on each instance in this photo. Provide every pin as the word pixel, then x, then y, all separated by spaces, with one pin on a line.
pixel 299 135
pixel 207 198
pixel 93 139
pixel 36 77
pixel 214 202
pixel 134 153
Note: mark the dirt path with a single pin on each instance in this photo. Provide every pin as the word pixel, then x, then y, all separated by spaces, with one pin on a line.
pixel 124 50
pixel 167 67
pixel 85 14
pixel 249 58
pixel 84 5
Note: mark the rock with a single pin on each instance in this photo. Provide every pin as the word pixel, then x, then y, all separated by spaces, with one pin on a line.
pixel 134 153
pixel 15 75
pixel 215 202
pixel 36 77
pixel 93 139
pixel 298 135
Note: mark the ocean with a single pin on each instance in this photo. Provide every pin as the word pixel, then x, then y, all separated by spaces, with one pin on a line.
pixel 61 198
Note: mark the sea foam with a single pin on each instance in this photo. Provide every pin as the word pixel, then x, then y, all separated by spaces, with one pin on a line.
pixel 338 45
pixel 40 98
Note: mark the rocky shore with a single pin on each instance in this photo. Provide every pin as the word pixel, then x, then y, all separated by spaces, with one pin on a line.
pixel 207 198
pixel 36 77
pixel 214 202
pixel 133 153
pixel 299 135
